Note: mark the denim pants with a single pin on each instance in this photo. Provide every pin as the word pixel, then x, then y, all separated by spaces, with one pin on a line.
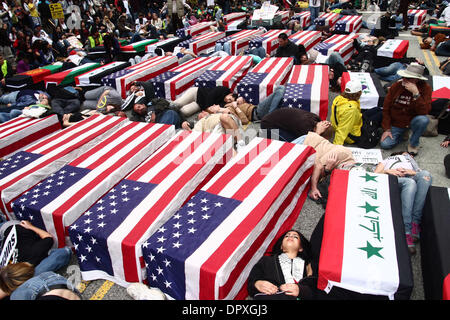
pixel 418 125
pixel 6 116
pixel 314 13
pixel 223 47
pixel 389 73
pixel 443 49
pixel 334 58
pixel 271 103
pixel 57 259
pixel 9 98
pixel 413 192
pixel 170 117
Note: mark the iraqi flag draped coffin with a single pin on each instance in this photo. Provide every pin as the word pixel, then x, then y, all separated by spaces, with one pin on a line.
pixel 31 77
pixel 240 40
pixel 303 18
pixel 327 19
pixel 227 71
pixel 307 89
pixel 142 202
pixel 261 81
pixel 207 249
pixel 30 166
pixel 441 87
pixel 21 131
pixel 364 246
pixel 68 76
pixel 94 77
pixel 349 24
pixel 309 39
pixel 373 93
pixel 416 17
pixel 268 40
pixel 393 48
pixel 340 43
pixel 138 46
pixel 143 71
pixel 59 200
pixel 166 45
pixel 171 84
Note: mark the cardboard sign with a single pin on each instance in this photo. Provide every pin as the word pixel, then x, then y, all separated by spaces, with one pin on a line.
pixel 56 10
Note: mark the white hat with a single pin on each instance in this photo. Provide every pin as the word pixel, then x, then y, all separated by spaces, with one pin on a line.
pixel 414 70
pixel 353 86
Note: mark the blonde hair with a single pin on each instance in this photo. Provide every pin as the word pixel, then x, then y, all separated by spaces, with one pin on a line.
pixel 14 275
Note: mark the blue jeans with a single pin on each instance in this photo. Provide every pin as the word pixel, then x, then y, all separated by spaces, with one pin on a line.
pixel 57 259
pixel 170 117
pixel 9 97
pixel 300 139
pixel 223 47
pixel 418 125
pixel 314 13
pixel 389 73
pixel 334 58
pixel 6 116
pixel 32 287
pixel 413 192
pixel 271 103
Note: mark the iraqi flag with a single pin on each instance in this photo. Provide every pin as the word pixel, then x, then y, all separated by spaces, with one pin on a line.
pixel 303 18
pixel 240 41
pixel 94 77
pixel 393 48
pixel 441 87
pixel 142 202
pixel 309 39
pixel 30 166
pixel 31 77
pixel 138 46
pixel 207 250
pixel 327 19
pixel 349 24
pixel 416 17
pixel 373 93
pixel 307 89
pixel 59 200
pixel 121 80
pixel 364 246
pixel 67 77
pixel 268 40
pixel 19 132
pixel 340 43
pixel 166 45
pixel 227 72
pixel 261 81
pixel 171 84
pixel 205 43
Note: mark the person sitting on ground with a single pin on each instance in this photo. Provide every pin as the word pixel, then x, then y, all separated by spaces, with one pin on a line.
pixel 289 49
pixel 405 107
pixel 286 273
pixel 414 184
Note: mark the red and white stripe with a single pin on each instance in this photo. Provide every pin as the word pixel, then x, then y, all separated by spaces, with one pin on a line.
pixel 284 16
pixel 19 132
pixel 317 76
pixel 270 43
pixel 393 48
pixel 304 18
pixel 330 18
pixel 236 67
pixel 271 179
pixel 179 169
pixel 200 28
pixel 242 39
pixel 343 45
pixel 307 38
pixel 205 42
pixel 56 150
pixel 233 17
pixel 109 161
pixel 352 23
pixel 419 16
pixel 233 25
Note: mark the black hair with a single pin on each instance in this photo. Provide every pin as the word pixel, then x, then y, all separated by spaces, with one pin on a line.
pixel 306 254
pixel 235 96
pixel 283 36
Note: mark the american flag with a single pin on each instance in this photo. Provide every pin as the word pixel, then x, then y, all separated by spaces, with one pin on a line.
pixel 327 19
pixel 240 40
pixel 59 200
pixel 26 168
pixel 207 249
pixel 143 71
pixel 233 17
pixel 268 40
pixel 261 81
pixel 108 237
pixel 227 71
pixel 341 43
pixel 349 24
pixel 171 84
pixel 95 76
pixel 416 17
pixel 307 89
pixel 195 30
pixel 21 131
pixel 307 38
pixel 283 16
pixel 233 25
pixel 206 42
pixel 304 18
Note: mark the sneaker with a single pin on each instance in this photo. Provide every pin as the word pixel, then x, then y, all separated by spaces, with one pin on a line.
pixel 415 231
pixel 411 245
pixel 413 150
pixel 240 145
pixel 139 291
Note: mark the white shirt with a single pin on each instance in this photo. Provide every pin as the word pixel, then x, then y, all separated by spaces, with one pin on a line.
pixel 314 3
pixel 446 15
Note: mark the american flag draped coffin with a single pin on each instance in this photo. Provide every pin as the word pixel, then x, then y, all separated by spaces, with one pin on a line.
pixel 195 30
pixel 94 77
pixel 327 19
pixel 268 40
pixel 393 48
pixel 59 200
pixel 28 167
pixel 261 81
pixel 138 46
pixel 174 82
pixel 416 17
pixel 141 203
pixel 364 247
pixel 21 131
pixel 68 76
pixel 227 71
pixel 233 17
pixel 303 18
pixel 282 16
pixel 349 24
pixel 143 71
pixel 373 93
pixel 29 78
pixel 240 41
pixel 307 89
pixel 309 39
pixel 205 42
pixel 340 43
pixel 207 249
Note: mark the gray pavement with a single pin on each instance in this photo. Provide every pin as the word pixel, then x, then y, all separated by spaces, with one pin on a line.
pixel 430 157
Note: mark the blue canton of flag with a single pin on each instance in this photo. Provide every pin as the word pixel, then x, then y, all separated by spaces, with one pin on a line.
pixel 110 80
pixel 223 40
pixel 208 78
pixel 255 42
pixel 181 236
pixel 248 87
pixel 340 26
pixel 411 19
pixel 323 47
pixel 297 96
pixel 182 33
pixel 90 232
pixel 319 21
pixel 16 162
pixel 158 82
pixel 185 43
pixel 29 205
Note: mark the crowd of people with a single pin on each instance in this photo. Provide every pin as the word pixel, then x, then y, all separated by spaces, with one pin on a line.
pixel 30 38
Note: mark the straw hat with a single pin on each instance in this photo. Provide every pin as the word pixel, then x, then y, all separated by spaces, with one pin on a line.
pixel 414 70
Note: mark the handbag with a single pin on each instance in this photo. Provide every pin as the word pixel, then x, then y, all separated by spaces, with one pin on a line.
pixel 432 129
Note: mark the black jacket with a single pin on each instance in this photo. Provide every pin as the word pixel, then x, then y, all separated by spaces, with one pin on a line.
pixel 206 97
pixel 289 50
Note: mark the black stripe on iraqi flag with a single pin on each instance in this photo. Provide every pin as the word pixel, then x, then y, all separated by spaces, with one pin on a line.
pixel 380 90
pixel 406 281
